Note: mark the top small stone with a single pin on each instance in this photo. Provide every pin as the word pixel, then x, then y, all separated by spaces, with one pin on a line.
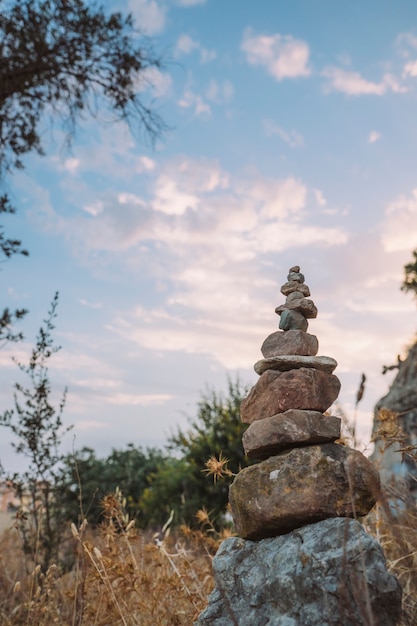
pixel 295 269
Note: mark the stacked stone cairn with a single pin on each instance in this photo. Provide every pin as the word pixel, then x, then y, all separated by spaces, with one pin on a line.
pixel 300 558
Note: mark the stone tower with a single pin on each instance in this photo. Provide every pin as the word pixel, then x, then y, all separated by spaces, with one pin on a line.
pixel 300 558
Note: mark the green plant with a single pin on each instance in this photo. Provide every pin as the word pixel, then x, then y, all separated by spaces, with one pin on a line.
pixel 38 429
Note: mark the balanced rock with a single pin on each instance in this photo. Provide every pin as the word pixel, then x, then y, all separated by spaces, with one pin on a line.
pixel 331 573
pixel 294 361
pixel 292 320
pixel 290 342
pixel 271 435
pixel 294 285
pixel 301 486
pixel 276 392
pixel 303 305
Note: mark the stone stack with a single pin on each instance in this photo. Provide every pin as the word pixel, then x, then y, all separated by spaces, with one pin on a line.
pixel 303 476
pixel 299 559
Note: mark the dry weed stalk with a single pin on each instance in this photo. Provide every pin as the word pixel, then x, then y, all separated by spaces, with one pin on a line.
pixel 121 577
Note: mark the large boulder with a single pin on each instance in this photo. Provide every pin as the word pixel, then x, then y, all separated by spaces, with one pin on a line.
pixel 327 574
pixel 302 486
pixel 276 392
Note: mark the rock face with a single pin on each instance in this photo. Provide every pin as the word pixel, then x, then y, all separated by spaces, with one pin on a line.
pixel 301 486
pixel 327 574
pixel 398 470
pixel 300 560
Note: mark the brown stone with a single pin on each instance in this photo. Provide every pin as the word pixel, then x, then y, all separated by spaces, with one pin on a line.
pixel 302 486
pixel 287 362
pixel 293 320
pixel 294 285
pixel 303 305
pixel 276 392
pixel 290 342
pixel 267 437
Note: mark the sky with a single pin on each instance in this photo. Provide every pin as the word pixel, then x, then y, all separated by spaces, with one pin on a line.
pixel 292 141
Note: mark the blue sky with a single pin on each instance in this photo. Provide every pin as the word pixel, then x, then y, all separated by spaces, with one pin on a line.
pixel 293 141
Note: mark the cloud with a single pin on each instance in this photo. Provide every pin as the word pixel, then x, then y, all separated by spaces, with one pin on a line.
pixel 399 227
pixel 220 93
pixel 186 45
pixel 196 102
pixel 290 137
pixel 374 136
pixel 353 84
pixel 410 69
pixel 149 15
pixel 189 3
pixel 281 55
pixel 159 83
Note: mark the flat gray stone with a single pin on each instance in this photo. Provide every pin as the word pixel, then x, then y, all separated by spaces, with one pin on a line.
pixel 268 437
pixel 286 362
pixel 331 573
pixel 290 342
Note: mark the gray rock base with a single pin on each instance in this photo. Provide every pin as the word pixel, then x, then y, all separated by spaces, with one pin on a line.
pixel 331 573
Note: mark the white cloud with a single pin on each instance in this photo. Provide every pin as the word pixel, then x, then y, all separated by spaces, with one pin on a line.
pixel 145 164
pixel 220 93
pixel 353 84
pixel 399 227
pixel 160 83
pixel 186 45
pixel 189 3
pixel 281 55
pixel 410 69
pixel 374 136
pixel 196 102
pixel 319 197
pixel 170 200
pixel 71 164
pixel 291 137
pixel 149 15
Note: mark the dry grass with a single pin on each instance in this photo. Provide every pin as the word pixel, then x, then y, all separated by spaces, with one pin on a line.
pixel 126 577
pixel 121 577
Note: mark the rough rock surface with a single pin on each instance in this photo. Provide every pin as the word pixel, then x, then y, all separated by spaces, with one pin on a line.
pixel 302 305
pixel 267 437
pixel 398 470
pixel 293 361
pixel 290 342
pixel 327 574
pixel 292 320
pixel 293 285
pixel 302 486
pixel 276 392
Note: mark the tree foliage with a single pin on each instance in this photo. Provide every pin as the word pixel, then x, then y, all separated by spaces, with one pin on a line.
pixel 67 57
pixel 38 428
pixel 410 275
pixel 87 479
pixel 181 484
